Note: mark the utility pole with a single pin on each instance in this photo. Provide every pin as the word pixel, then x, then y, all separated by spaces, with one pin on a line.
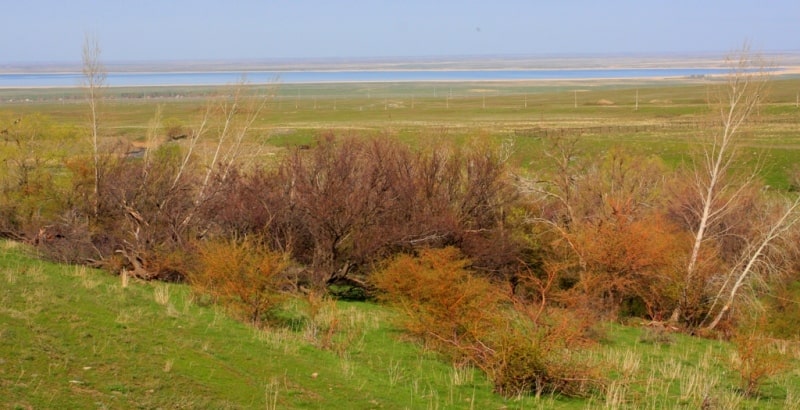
pixel 449 96
pixel 575 99
pixel 637 100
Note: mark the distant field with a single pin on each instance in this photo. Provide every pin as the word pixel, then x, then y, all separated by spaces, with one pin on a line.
pixel 652 117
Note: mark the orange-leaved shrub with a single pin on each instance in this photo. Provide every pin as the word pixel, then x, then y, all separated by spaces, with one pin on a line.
pixel 475 322
pixel 244 277
pixel 442 298
pixel 632 264
pixel 757 357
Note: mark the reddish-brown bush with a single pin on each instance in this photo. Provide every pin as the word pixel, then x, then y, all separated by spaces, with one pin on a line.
pixel 351 202
pixel 335 194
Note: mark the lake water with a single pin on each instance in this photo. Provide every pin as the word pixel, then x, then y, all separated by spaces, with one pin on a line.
pixel 300 77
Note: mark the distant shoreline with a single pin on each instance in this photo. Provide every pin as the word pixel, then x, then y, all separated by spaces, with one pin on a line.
pixel 67 80
pixel 383 70
pixel 488 62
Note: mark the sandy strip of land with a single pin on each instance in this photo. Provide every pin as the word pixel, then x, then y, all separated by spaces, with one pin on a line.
pixel 781 71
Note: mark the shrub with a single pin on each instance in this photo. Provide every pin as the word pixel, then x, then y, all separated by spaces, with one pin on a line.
pixel 541 359
pixel 141 218
pixel 756 358
pixel 174 129
pixel 443 302
pixel 322 320
pixel 30 194
pixel 632 261
pixel 473 322
pixel 351 202
pixel 245 278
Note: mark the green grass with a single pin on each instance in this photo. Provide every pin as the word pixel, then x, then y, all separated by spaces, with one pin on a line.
pixel 72 337
pixel 670 116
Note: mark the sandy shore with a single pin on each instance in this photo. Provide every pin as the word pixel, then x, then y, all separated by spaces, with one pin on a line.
pixel 780 71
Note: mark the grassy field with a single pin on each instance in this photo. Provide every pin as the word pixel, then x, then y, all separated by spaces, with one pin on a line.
pixel 660 118
pixel 72 337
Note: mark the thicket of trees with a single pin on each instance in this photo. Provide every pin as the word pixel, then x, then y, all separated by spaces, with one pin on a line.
pixel 503 268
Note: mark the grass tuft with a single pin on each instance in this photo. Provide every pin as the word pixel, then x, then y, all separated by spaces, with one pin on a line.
pixel 161 293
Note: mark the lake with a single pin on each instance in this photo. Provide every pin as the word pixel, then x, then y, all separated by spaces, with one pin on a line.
pixel 123 79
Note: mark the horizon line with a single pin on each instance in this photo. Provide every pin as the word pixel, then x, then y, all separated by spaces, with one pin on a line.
pixel 409 58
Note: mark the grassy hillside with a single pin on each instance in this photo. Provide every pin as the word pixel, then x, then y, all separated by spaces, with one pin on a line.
pixel 72 337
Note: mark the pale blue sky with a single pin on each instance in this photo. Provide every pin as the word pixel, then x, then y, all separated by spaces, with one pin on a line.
pixel 53 30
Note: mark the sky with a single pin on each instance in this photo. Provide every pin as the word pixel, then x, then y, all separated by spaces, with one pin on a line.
pixel 177 30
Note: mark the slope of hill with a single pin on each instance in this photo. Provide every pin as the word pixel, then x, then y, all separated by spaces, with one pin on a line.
pixel 72 337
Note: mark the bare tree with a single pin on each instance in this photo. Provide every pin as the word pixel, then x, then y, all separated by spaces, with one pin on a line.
pixel 239 112
pixel 94 79
pixel 236 114
pixel 717 192
pixel 758 257
pixel 165 199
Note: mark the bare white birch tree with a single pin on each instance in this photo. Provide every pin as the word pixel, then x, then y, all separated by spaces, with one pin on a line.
pixel 94 79
pixel 717 193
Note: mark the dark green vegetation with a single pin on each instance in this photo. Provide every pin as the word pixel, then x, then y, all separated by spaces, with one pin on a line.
pixel 507 223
